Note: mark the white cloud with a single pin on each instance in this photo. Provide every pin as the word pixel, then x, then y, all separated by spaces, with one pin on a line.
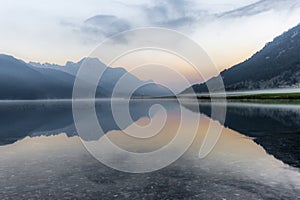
pixel 57 31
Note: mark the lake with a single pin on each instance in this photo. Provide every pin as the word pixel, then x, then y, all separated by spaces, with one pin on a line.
pixel 256 155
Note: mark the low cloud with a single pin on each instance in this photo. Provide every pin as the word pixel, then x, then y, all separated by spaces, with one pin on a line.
pixel 261 7
pixel 173 14
pixel 221 28
pixel 105 25
pixel 181 15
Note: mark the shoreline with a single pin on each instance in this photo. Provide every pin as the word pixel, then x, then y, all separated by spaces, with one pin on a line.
pixel 264 98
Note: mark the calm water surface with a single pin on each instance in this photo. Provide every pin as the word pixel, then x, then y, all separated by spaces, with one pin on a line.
pixel 256 156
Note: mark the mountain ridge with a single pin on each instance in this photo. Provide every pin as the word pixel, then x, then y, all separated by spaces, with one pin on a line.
pixel 20 80
pixel 277 65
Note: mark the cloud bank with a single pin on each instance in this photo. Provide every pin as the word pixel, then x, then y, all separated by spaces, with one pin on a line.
pixel 56 31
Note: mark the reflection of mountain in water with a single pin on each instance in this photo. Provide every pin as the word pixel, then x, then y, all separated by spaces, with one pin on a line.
pixel 275 127
pixel 18 120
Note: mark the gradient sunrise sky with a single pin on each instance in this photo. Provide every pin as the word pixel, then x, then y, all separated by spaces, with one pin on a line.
pixel 55 31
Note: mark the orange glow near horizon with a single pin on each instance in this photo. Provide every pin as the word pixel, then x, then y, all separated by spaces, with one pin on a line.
pixel 163 68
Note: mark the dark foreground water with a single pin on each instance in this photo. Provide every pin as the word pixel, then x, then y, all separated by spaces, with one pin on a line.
pixel 256 156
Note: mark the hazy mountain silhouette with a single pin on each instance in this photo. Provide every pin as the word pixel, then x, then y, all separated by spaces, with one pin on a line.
pixel 276 65
pixel 20 80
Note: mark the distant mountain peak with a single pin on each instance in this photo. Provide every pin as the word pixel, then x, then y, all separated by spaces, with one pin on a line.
pixel 33 80
pixel 10 58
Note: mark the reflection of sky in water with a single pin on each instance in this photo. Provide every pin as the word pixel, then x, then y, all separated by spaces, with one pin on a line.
pixel 59 166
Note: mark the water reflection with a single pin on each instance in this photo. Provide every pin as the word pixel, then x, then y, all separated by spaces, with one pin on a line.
pixel 19 119
pixel 274 126
pixel 59 166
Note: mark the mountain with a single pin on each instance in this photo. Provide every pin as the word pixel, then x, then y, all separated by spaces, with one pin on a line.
pixel 277 65
pixel 110 78
pixel 20 80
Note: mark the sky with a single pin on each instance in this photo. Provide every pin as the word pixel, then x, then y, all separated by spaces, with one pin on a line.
pixel 56 31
